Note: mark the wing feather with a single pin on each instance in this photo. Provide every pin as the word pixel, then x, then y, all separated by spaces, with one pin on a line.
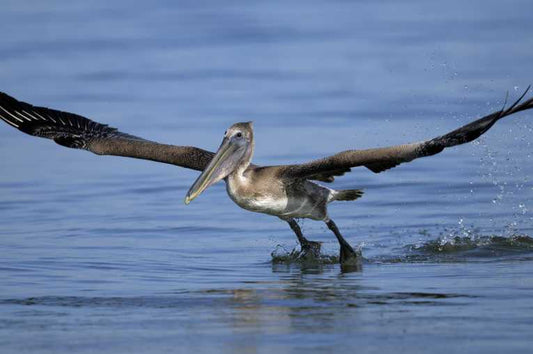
pixel 382 159
pixel 74 131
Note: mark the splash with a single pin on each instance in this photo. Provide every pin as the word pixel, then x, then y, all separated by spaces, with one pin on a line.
pixel 465 247
pixel 483 245
pixel 280 255
pixel 473 248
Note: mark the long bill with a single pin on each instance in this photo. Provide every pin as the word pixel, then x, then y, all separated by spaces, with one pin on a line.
pixel 223 163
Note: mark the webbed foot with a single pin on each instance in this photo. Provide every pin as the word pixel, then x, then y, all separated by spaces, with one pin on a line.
pixel 310 249
pixel 350 260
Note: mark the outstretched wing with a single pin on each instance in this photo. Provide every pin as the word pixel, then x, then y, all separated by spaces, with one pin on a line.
pixel 381 159
pixel 74 131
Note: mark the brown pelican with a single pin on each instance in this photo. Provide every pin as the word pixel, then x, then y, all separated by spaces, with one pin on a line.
pixel 286 191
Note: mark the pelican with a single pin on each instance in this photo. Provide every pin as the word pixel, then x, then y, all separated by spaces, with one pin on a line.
pixel 288 192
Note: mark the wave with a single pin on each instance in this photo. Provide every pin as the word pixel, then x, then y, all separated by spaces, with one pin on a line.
pixel 472 248
pixel 492 244
pixel 447 248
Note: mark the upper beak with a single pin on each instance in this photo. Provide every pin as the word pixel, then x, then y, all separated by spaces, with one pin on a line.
pixel 222 164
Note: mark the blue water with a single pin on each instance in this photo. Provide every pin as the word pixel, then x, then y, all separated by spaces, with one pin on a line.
pixel 99 254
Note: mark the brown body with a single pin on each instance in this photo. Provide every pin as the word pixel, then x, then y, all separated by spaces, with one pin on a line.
pixel 262 190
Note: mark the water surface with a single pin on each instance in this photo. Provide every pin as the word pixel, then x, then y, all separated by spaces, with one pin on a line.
pixel 101 255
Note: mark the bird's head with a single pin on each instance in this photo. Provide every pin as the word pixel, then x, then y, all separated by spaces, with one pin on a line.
pixel 235 153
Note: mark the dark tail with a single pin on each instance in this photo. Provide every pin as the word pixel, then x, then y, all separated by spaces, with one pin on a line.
pixel 349 194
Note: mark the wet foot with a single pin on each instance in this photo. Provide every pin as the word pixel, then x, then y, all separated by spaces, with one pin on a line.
pixel 351 260
pixel 310 249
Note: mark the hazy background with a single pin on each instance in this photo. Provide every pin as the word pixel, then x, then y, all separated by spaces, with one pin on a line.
pixel 101 254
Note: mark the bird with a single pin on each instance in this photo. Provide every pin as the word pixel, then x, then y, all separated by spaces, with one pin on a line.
pixel 289 192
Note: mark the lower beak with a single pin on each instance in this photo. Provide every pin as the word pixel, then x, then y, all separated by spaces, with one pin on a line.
pixel 217 169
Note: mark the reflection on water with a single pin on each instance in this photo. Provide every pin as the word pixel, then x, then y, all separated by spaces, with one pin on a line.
pixel 301 308
pixel 294 295
pixel 100 254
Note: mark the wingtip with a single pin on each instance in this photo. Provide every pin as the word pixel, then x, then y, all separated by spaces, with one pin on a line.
pixel 517 106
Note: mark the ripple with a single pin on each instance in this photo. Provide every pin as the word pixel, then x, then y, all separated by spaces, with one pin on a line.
pixel 472 248
pixel 484 245
pixel 112 302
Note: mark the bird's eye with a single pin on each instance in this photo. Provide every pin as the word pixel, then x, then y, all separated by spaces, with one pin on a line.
pixel 239 135
pixel 226 132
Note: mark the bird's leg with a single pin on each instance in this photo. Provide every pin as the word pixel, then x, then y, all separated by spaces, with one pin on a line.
pixel 308 247
pixel 347 254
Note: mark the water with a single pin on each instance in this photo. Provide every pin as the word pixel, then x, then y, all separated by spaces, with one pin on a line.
pixel 99 254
